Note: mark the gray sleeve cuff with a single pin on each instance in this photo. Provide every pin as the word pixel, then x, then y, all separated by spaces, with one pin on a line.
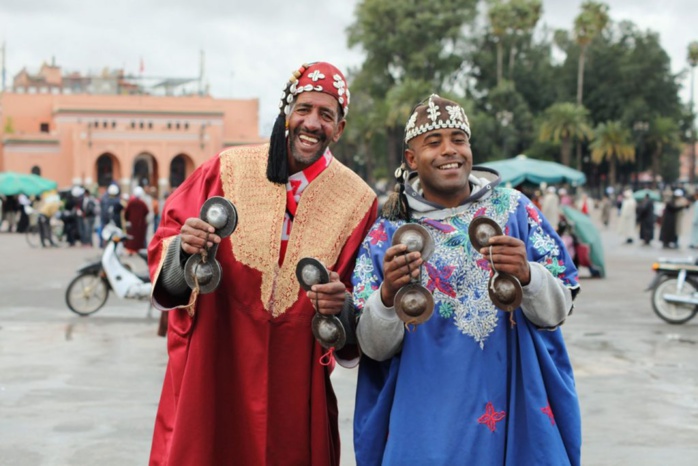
pixel 171 288
pixel 380 331
pixel 546 300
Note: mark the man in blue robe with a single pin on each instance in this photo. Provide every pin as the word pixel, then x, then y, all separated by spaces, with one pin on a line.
pixel 473 385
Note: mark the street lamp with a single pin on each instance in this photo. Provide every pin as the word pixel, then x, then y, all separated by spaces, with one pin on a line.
pixel 692 61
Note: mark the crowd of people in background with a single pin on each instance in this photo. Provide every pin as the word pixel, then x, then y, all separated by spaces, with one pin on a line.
pixel 83 213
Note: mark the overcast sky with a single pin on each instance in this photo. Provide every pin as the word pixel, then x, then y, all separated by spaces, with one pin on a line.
pixel 250 46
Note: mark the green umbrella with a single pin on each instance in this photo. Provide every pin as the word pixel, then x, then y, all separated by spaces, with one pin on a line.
pixel 521 169
pixel 12 183
pixel 640 195
pixel 587 233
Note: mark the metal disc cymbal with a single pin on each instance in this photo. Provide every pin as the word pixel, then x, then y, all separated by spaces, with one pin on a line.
pixel 208 274
pixel 311 271
pixel 414 304
pixel 221 214
pixel 507 293
pixel 480 231
pixel 329 331
pixel 416 238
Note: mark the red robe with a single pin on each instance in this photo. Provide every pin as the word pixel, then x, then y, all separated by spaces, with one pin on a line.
pixel 244 384
pixel 137 214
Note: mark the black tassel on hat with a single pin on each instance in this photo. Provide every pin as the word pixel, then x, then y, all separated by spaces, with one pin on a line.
pixel 395 208
pixel 277 162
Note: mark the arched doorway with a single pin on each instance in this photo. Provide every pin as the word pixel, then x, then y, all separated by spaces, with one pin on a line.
pixel 145 170
pixel 180 167
pixel 108 169
pixel 36 170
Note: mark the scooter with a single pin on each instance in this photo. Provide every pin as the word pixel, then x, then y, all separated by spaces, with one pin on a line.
pixel 675 289
pixel 89 290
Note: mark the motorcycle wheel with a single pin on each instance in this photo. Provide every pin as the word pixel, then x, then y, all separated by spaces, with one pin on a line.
pixel 87 293
pixel 671 312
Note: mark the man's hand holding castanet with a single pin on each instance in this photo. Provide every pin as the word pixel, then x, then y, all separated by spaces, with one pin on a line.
pixel 508 255
pixel 196 235
pixel 399 268
pixel 328 298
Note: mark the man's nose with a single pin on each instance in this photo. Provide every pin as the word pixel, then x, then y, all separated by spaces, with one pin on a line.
pixel 312 121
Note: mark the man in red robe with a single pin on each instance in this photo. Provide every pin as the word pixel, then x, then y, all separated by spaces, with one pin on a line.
pixel 136 214
pixel 245 383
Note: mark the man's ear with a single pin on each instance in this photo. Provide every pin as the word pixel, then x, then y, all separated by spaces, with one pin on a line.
pixel 411 157
pixel 340 130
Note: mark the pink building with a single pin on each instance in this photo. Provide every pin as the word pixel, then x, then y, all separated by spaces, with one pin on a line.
pixel 130 139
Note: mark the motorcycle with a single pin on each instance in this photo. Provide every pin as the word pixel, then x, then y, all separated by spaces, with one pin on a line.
pixel 89 290
pixel 675 289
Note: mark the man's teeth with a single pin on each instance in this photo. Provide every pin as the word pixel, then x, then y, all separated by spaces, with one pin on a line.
pixel 307 139
pixel 449 166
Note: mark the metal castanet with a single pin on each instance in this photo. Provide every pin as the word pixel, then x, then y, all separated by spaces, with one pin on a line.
pixel 327 330
pixel 414 304
pixel 504 289
pixel 202 271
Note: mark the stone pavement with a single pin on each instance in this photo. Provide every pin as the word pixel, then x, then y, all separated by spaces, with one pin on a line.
pixel 84 390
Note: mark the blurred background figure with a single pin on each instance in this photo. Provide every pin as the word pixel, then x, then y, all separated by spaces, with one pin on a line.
pixel 565 199
pixel 627 218
pixel 72 215
pixel 136 216
pixel 645 217
pixel 606 206
pixel 668 232
pixel 89 209
pixel 49 205
pixel 24 206
pixel 694 223
pixel 110 209
pixel 550 206
pixel 9 212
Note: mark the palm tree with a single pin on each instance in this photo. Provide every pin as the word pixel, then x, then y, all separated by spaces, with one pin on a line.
pixel 664 132
pixel 612 143
pixel 501 16
pixel 525 15
pixel 564 122
pixel 590 22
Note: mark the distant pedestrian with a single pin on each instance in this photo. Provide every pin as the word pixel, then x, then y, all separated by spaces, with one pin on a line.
pixel 668 232
pixel 627 221
pixel 645 217
pixel 89 209
pixel 694 224
pixel 136 215
pixel 606 206
pixel 550 207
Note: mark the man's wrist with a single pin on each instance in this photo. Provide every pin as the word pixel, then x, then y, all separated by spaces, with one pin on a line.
pixel 385 301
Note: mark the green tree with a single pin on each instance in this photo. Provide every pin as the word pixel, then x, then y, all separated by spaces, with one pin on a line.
pixel 563 123
pixel 663 134
pixel 404 41
pixel 590 22
pixel 612 143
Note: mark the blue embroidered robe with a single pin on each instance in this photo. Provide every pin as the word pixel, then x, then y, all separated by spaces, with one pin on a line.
pixel 468 388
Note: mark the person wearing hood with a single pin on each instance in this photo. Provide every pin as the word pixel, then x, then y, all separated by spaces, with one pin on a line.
pixel 472 384
pixel 136 215
pixel 627 219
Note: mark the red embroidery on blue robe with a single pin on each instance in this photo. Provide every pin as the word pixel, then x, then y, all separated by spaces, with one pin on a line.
pixel 491 417
pixel 549 412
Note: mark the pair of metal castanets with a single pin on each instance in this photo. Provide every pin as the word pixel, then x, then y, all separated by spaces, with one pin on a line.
pixel 504 288
pixel 327 329
pixel 202 271
pixel 414 304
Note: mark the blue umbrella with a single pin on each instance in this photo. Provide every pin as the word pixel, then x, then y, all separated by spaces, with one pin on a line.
pixel 521 168
pixel 12 183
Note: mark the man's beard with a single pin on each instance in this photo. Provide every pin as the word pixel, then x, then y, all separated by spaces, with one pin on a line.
pixel 298 156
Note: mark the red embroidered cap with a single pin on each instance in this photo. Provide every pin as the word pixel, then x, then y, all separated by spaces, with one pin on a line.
pixel 316 77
